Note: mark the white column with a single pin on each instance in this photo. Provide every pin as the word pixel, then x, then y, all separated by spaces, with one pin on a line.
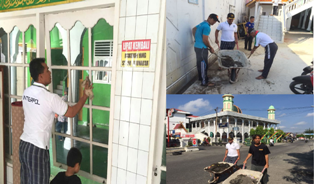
pixel 227 127
pixel 256 14
pixel 235 132
pixel 242 131
pixel 300 19
pixel 276 126
pixel 220 120
pixel 215 131
pixel 256 124
pixel 249 127
pixel 311 19
pixel 305 17
pixel 264 125
pixel 208 128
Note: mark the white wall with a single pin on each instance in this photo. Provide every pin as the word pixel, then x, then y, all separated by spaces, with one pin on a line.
pixel 176 119
pixel 136 93
pixel 267 9
pixel 181 18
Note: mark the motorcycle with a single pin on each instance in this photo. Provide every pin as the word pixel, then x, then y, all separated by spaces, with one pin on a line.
pixel 307 69
pixel 302 84
pixel 271 144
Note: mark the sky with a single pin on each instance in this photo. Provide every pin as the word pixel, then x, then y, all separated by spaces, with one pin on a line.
pixel 294 111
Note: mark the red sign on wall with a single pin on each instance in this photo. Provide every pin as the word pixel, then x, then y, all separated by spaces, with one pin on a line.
pixel 135 53
pixel 188 135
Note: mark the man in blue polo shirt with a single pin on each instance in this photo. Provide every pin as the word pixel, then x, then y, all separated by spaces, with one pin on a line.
pixel 249 26
pixel 201 46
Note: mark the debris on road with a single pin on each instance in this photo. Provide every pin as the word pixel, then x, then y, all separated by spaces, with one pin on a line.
pixel 218 167
pixel 244 179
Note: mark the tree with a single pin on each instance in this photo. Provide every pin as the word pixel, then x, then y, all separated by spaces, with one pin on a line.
pixel 309 131
pixel 252 132
pixel 260 130
pixel 271 131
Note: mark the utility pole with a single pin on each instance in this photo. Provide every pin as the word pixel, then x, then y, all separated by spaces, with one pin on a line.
pixel 216 123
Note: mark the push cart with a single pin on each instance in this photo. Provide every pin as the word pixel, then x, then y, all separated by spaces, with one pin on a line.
pixel 214 176
pixel 233 61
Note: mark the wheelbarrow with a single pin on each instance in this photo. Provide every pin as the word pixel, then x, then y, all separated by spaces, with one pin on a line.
pixel 256 175
pixel 214 176
pixel 233 61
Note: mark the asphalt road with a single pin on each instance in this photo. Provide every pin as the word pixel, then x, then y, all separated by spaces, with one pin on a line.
pixel 289 163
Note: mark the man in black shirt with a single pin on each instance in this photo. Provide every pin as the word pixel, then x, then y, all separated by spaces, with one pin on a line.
pixel 73 161
pixel 260 154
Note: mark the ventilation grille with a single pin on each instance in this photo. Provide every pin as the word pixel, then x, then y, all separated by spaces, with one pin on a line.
pixel 104 48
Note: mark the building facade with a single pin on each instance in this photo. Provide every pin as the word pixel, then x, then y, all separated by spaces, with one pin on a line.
pixel 231 122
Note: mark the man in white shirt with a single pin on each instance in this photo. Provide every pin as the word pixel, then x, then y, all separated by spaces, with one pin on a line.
pixel 275 6
pixel 270 51
pixel 229 36
pixel 39 107
pixel 232 154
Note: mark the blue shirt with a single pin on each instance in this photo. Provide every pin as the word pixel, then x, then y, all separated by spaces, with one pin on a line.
pixel 201 29
pixel 249 25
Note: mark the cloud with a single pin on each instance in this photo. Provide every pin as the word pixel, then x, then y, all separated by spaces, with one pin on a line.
pixel 196 105
pixel 282 127
pixel 310 114
pixel 281 115
pixel 301 123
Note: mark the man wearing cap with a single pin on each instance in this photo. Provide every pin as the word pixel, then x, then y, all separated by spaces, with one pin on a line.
pixel 229 36
pixel 270 51
pixel 249 26
pixel 232 154
pixel 201 47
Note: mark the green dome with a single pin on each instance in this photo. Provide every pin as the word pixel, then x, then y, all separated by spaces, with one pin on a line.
pixel 271 108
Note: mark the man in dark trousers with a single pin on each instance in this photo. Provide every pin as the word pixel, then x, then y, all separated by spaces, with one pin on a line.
pixel 270 51
pixel 260 159
pixel 249 26
pixel 201 46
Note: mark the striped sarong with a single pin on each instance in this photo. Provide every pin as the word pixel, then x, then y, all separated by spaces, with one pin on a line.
pixel 35 164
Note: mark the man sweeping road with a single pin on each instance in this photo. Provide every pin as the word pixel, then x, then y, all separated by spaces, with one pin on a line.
pixel 270 51
pixel 39 107
pixel 201 46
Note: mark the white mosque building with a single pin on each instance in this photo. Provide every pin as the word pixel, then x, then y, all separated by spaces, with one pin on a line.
pixel 230 122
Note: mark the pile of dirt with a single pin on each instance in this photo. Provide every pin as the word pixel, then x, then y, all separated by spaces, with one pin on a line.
pixel 227 61
pixel 243 179
pixel 216 167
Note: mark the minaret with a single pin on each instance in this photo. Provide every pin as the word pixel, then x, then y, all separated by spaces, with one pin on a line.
pixel 271 112
pixel 228 102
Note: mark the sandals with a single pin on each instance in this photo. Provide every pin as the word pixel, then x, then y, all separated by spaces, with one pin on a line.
pixel 260 77
pixel 260 70
pixel 208 84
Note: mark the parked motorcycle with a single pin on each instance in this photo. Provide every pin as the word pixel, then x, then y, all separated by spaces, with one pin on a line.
pixel 302 84
pixel 308 69
pixel 271 144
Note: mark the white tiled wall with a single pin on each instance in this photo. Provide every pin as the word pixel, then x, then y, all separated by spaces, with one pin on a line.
pixel 134 92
